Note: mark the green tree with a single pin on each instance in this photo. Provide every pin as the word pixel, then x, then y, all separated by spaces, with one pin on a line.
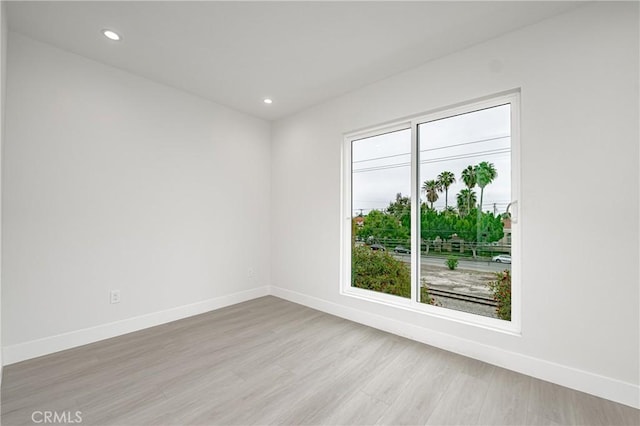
pixel 466 199
pixel 479 228
pixel 401 210
pixel 485 174
pixel 431 189
pixel 400 206
pixel 428 223
pixel 445 180
pixel 379 226
pixel 435 224
pixel 450 210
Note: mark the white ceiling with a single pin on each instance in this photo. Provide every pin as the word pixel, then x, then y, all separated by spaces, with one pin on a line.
pixel 298 53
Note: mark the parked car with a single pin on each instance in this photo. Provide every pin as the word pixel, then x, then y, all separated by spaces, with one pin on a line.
pixel 377 247
pixel 400 249
pixel 501 258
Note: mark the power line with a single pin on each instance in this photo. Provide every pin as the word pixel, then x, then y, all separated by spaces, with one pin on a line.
pixel 462 156
pixel 435 160
pixel 382 158
pixel 466 143
pixel 435 149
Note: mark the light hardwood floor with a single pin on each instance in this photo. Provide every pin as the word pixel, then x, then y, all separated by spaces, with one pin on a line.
pixel 269 361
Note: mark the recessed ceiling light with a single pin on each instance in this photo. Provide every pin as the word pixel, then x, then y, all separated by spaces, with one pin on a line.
pixel 111 35
pixel 268 101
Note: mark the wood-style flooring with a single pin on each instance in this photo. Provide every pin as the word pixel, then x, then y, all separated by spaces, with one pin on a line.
pixel 269 361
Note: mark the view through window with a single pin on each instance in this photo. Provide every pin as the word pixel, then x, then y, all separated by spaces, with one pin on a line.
pixel 463 190
pixel 465 175
pixel 381 224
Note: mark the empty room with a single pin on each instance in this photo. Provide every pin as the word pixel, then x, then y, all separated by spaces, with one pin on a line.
pixel 327 213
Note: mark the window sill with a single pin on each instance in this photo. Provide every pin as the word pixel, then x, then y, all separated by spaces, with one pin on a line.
pixel 492 324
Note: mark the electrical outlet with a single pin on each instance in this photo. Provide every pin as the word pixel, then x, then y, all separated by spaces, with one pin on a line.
pixel 114 296
pixel 251 273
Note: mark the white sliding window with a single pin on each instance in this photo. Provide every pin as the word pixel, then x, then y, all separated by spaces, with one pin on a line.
pixel 381 213
pixel 431 213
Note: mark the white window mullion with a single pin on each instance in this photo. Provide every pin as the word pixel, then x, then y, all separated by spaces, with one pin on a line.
pixel 516 232
pixel 415 216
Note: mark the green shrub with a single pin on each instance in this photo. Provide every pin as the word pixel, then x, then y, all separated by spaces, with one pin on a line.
pixel 379 271
pixel 452 262
pixel 501 289
pixel 425 298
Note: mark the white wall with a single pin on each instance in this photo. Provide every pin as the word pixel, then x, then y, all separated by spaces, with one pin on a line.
pixel 578 74
pixel 111 181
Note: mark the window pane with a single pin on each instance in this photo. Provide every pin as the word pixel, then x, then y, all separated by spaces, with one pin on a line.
pixel 465 227
pixel 381 211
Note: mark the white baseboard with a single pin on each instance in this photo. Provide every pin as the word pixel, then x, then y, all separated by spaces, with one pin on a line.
pixel 584 381
pixel 604 387
pixel 35 348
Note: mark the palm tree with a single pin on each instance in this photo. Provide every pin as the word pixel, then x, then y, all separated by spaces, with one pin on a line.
pixel 466 200
pixel 468 176
pixel 485 174
pixel 450 210
pixel 431 189
pixel 445 179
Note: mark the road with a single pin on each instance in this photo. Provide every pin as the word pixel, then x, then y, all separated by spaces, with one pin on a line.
pixel 463 264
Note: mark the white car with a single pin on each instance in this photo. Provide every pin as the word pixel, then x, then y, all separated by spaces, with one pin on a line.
pixel 501 258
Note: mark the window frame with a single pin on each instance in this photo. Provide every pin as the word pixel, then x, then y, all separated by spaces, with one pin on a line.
pixel 412 304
